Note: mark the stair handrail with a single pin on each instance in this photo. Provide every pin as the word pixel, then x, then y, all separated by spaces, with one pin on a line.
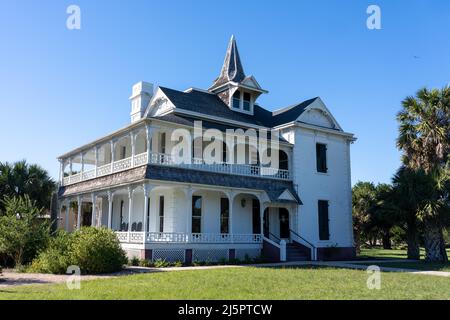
pixel 313 247
pixel 276 238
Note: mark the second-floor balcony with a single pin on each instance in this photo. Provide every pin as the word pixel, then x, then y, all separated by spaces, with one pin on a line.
pixel 148 145
pixel 168 160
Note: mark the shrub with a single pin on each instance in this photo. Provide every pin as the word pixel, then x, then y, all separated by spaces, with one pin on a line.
pixel 55 258
pixel 161 263
pixel 94 250
pixel 146 263
pixel 177 264
pixel 22 232
pixel 134 261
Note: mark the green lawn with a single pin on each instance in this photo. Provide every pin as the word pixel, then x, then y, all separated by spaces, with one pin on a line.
pixel 389 254
pixel 419 265
pixel 245 283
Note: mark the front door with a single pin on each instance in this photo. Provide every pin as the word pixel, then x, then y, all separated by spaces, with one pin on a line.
pixel 284 223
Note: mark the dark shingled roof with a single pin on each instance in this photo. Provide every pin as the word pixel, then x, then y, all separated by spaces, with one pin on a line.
pixel 210 104
pixel 189 121
pixel 273 188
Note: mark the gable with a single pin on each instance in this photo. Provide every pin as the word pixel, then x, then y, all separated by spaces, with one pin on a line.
pixel 286 195
pixel 160 104
pixel 251 82
pixel 318 114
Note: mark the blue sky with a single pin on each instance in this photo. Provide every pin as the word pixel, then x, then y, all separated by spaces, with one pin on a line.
pixel 62 88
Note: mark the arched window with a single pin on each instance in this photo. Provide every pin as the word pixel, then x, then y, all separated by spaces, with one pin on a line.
pixel 246 101
pixel 237 99
pixel 283 158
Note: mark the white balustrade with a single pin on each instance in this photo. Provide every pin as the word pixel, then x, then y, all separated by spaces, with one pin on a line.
pixel 123 236
pixel 104 170
pixel 140 159
pixel 169 160
pixel 121 165
pixel 90 174
pixel 181 237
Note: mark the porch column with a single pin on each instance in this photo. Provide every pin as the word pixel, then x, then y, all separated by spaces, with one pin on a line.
pixel 96 159
pixel 82 164
pixel 61 171
pixel 79 204
pixel 231 195
pixel 147 189
pixel 112 144
pixel 94 199
pixel 149 133
pixel 133 148
pixel 262 208
pixel 110 208
pixel 70 167
pixel 67 215
pixel 130 206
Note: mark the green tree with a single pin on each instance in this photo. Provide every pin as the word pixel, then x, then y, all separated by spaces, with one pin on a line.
pixel 22 231
pixel 20 178
pixel 363 200
pixel 384 213
pixel 424 138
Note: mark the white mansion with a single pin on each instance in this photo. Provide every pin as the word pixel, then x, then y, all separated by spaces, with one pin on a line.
pixel 231 206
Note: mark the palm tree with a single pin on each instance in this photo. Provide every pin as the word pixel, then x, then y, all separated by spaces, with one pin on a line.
pixel 408 189
pixel 21 178
pixel 424 138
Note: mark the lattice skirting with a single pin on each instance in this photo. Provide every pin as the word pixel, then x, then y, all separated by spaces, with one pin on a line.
pixel 251 253
pixel 169 255
pixel 212 255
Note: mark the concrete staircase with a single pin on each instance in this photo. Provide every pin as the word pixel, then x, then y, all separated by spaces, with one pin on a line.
pixel 295 253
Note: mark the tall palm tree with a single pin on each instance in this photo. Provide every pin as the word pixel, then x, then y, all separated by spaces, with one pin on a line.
pixel 424 138
pixel 21 178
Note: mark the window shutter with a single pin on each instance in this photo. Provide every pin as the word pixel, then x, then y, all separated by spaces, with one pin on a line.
pixel 324 230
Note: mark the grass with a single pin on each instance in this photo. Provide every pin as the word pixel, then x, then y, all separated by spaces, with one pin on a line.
pixel 419 265
pixel 245 283
pixel 401 254
pixel 376 253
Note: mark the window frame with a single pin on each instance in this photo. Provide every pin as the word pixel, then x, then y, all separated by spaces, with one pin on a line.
pixel 161 214
pixel 224 216
pixel 320 206
pixel 196 218
pixel 321 158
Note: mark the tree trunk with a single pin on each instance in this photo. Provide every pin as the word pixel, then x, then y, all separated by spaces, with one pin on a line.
pixel 386 239
pixel 434 243
pixel 413 243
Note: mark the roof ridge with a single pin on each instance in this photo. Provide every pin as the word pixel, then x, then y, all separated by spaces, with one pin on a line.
pixel 284 109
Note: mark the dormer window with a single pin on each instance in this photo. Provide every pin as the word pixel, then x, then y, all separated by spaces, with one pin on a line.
pixel 237 100
pixel 246 101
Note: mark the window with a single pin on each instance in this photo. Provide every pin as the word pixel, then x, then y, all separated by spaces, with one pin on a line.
pixel 162 140
pixel 122 225
pixel 237 100
pixel 196 214
pixel 324 230
pixel 246 101
pixel 123 152
pixel 321 157
pixel 224 215
pixel 161 214
pixel 283 158
pixel 256 218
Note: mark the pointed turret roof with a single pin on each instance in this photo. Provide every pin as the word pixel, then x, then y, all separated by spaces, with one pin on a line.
pixel 232 69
